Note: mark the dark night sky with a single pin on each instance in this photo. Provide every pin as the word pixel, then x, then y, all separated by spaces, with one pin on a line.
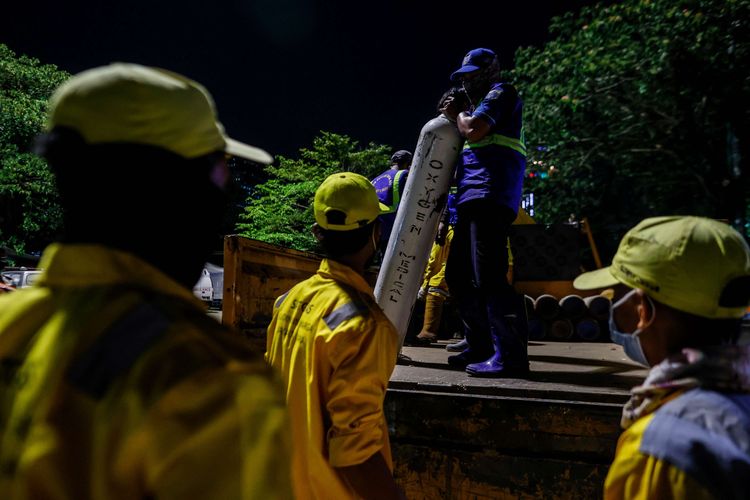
pixel 280 70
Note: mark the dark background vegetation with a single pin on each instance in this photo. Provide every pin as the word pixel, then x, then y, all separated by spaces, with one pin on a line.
pixel 641 106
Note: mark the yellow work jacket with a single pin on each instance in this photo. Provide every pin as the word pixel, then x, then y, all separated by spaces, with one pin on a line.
pixel 695 444
pixel 336 351
pixel 635 475
pixel 434 274
pixel 116 385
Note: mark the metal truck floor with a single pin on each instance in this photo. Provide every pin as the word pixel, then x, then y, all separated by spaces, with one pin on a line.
pixel 569 371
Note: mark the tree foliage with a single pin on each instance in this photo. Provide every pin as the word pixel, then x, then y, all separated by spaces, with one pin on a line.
pixel 246 175
pixel 29 211
pixel 635 104
pixel 279 211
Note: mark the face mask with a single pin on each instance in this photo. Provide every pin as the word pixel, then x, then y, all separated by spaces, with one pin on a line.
pixel 630 342
pixel 476 87
pixel 473 90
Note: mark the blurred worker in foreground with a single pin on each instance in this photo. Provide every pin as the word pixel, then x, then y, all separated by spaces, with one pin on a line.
pixel 336 349
pixel 490 179
pixel 116 384
pixel 389 187
pixel 681 287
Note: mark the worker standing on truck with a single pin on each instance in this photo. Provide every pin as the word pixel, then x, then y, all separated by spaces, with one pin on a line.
pixel 115 384
pixel 681 285
pixel 389 187
pixel 336 349
pixel 490 179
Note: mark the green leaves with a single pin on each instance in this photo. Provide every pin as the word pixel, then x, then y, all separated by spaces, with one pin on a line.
pixel 632 103
pixel 279 211
pixel 30 215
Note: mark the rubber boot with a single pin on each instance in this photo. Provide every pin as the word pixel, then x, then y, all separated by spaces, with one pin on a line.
pixel 467 357
pixel 458 346
pixel 473 311
pixel 470 354
pixel 433 311
pixel 509 338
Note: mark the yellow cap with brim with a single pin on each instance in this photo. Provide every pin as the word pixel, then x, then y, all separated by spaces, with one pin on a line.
pixel 349 194
pixel 683 262
pixel 134 104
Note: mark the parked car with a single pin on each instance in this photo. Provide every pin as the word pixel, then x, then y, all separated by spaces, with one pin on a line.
pixel 203 289
pixel 217 281
pixel 20 277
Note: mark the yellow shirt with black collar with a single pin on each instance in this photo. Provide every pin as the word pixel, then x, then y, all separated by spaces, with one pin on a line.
pixel 116 385
pixel 336 351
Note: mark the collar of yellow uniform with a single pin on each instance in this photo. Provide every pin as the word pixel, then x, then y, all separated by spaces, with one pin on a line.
pixel 96 265
pixel 345 274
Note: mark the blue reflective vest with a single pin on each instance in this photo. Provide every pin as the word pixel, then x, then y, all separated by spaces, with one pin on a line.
pixel 389 186
pixel 493 167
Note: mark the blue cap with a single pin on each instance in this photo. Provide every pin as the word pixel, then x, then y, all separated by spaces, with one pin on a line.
pixel 474 60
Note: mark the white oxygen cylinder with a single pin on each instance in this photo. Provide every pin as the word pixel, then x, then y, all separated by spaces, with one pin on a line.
pixel 417 219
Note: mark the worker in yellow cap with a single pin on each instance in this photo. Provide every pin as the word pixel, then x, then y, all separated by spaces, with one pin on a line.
pixel 336 349
pixel 682 285
pixel 115 383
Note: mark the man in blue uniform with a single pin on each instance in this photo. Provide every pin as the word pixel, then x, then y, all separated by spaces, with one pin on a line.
pixel 390 186
pixel 490 178
pixel 681 287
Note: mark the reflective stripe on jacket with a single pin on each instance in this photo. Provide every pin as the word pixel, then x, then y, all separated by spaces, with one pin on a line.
pixel 518 144
pixel 493 168
pixel 389 185
pixel 694 446
pixel 336 351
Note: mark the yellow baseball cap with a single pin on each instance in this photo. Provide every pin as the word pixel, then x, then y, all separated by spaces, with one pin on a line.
pixel 350 194
pixel 683 262
pixel 130 103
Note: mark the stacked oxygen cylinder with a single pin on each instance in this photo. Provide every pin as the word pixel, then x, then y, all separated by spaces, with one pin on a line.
pixel 568 318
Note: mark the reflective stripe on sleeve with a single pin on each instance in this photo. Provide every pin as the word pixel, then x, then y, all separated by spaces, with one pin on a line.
pixel 117 350
pixel 396 190
pixel 707 435
pixel 347 311
pixel 499 140
pixel 280 300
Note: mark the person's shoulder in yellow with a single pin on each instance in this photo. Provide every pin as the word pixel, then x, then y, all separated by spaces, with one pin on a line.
pixel 681 286
pixel 116 383
pixel 639 476
pixel 336 350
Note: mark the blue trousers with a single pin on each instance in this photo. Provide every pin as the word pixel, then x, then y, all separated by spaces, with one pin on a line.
pixel 476 273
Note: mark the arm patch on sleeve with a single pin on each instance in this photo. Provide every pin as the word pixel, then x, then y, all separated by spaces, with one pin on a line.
pixel 280 300
pixel 117 350
pixel 347 311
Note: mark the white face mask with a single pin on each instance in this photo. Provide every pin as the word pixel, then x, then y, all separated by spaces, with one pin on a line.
pixel 630 342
